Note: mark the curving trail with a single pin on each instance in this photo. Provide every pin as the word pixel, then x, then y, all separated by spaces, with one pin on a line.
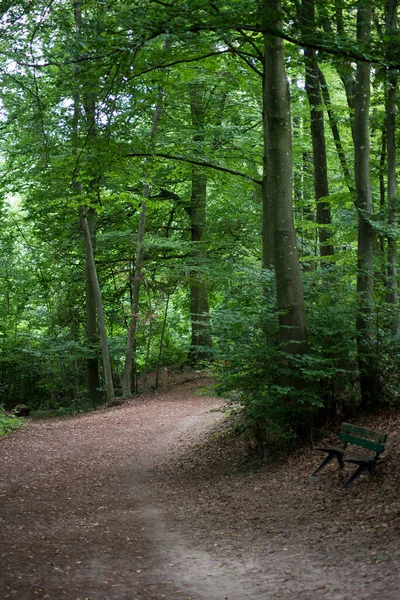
pixel 117 504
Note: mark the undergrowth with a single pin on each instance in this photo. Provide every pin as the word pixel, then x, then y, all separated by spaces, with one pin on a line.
pixel 8 423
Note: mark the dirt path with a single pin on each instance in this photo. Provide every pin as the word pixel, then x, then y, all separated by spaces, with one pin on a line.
pixel 130 504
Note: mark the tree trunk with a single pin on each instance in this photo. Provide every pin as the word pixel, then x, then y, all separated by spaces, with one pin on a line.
pixel 382 202
pixel 92 337
pixel 392 292
pixel 130 351
pixel 345 67
pixel 365 345
pixel 126 380
pixel 313 92
pixel 94 300
pixel 91 266
pixel 268 251
pixel 278 190
pixel 150 333
pixel 333 122
pixel 201 341
pixel 301 173
pixel 164 325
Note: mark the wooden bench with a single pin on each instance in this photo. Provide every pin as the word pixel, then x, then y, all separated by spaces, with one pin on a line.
pixel 374 441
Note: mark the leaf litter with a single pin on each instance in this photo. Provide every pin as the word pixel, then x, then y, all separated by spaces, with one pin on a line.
pixel 154 499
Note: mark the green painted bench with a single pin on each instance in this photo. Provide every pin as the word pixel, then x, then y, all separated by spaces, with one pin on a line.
pixel 369 440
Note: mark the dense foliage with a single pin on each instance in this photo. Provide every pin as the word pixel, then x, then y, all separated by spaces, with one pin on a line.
pixel 163 113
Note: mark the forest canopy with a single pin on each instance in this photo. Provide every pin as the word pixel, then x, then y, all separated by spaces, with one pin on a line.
pixel 200 182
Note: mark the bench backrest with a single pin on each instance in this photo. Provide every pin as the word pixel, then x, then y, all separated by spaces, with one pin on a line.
pixel 366 438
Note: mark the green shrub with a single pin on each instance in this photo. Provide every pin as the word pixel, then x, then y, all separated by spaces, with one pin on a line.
pixel 8 423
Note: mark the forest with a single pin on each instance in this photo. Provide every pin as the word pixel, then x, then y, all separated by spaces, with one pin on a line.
pixel 203 183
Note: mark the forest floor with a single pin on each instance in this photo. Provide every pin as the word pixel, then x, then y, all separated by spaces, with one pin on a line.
pixel 152 500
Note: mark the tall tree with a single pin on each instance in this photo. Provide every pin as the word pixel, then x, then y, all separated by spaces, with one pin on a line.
pixel 130 351
pixel 278 192
pixel 92 335
pixel 320 172
pixel 391 108
pixel 365 265
pixel 200 348
pixel 93 291
pixel 333 122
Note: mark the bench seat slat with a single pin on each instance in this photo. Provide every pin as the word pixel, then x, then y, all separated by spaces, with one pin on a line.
pixel 357 441
pixel 359 458
pixel 348 455
pixel 332 449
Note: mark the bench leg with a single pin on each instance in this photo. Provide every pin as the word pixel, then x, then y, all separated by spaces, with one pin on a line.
pixel 354 476
pixel 326 461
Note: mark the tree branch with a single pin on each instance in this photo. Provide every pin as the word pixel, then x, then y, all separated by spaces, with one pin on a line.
pixel 178 62
pixel 192 161
pixel 252 44
pixel 332 47
pixel 243 56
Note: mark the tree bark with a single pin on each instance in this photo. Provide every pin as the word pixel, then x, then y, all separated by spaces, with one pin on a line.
pixel 92 337
pixel 91 265
pixel 391 102
pixel 278 190
pixel 92 283
pixel 130 351
pixel 335 131
pixel 201 341
pixel 382 202
pixel 160 351
pixel 345 67
pixel 365 345
pixel 126 380
pixel 321 187
pixel 268 250
pixel 301 173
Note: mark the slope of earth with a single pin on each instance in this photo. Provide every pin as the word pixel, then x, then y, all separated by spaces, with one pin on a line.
pixel 146 501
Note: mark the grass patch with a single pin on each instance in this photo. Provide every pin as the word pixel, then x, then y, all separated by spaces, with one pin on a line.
pixel 8 424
